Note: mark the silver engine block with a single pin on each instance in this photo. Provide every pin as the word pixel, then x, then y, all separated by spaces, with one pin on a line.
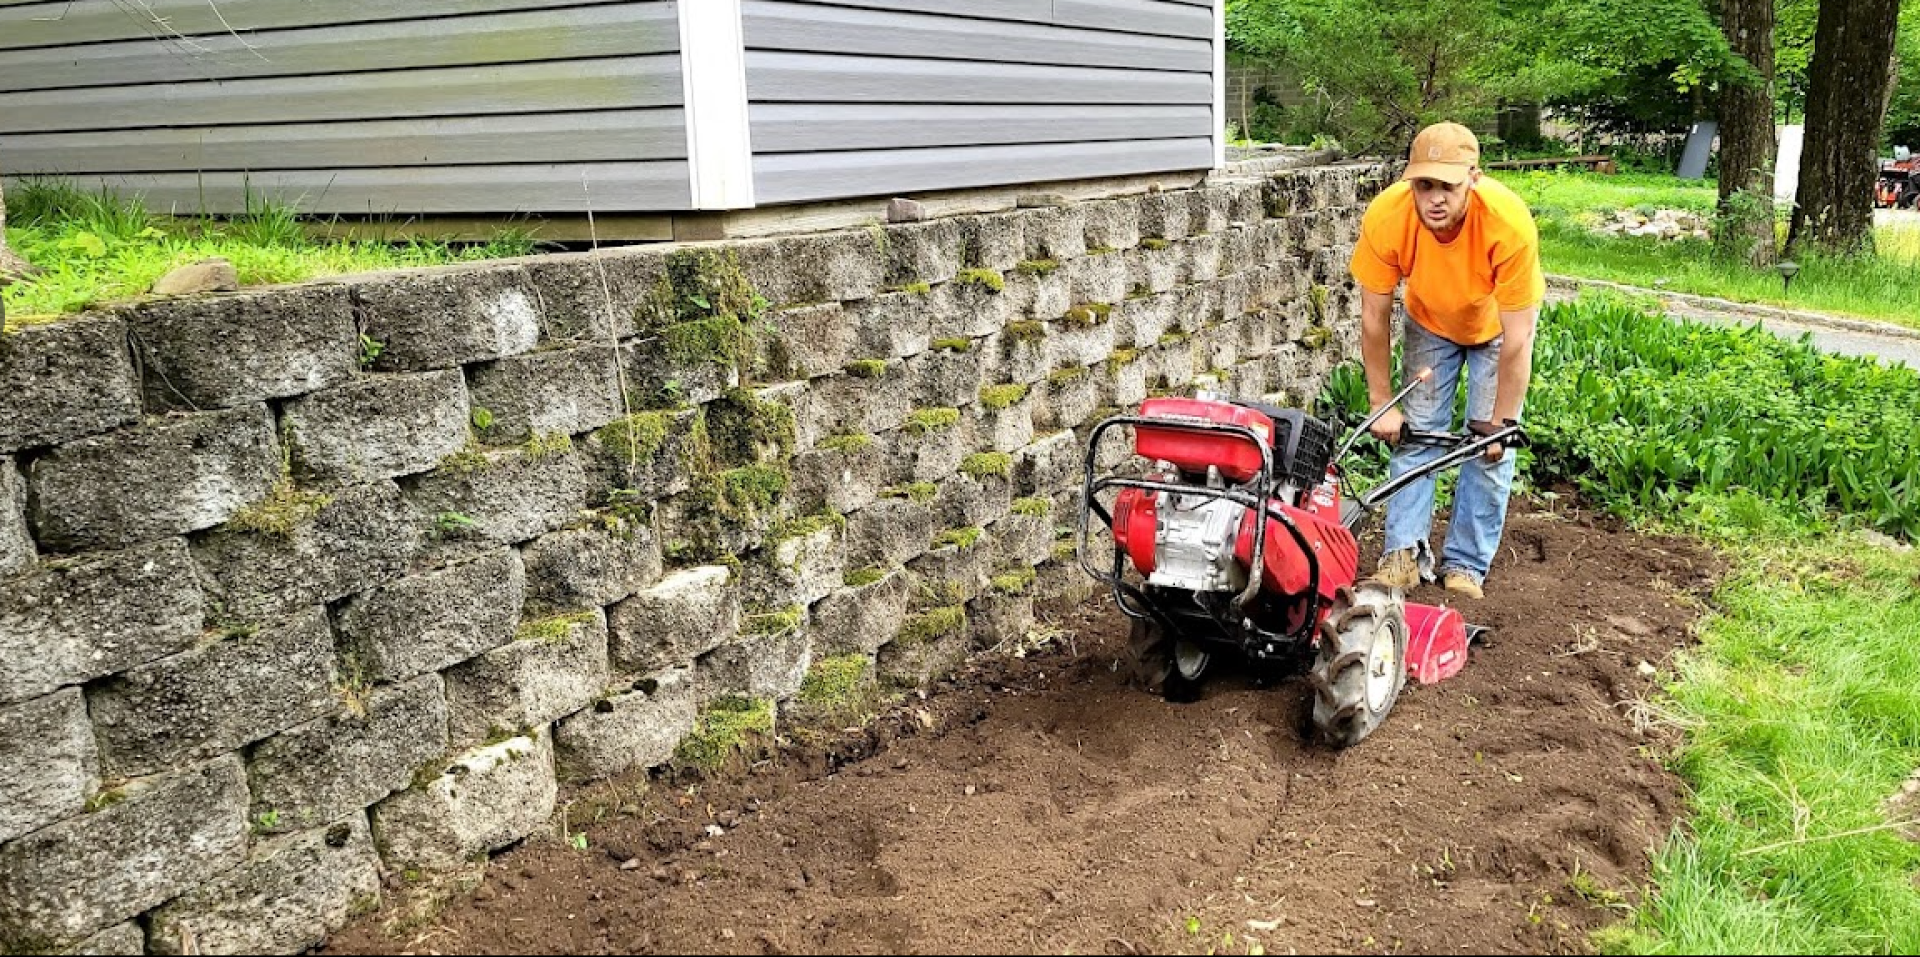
pixel 1193 544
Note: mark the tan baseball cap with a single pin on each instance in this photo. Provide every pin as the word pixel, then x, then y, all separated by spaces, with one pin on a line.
pixel 1447 152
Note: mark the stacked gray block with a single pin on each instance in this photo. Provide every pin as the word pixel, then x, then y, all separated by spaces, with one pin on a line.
pixel 546 674
pixel 285 899
pixel 555 392
pixel 488 798
pixel 377 427
pixel 684 616
pixel 106 612
pixel 514 496
pixel 330 768
pixel 17 553
pixel 859 620
pixel 64 381
pixel 607 560
pixel 637 728
pixel 48 762
pixel 161 838
pixel 444 318
pixel 215 698
pixel 226 351
pixel 165 477
pixel 364 535
pixel 436 619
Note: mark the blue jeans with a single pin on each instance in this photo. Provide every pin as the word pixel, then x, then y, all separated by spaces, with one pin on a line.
pixel 1480 498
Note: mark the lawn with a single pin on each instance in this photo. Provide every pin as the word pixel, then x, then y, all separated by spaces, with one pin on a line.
pixel 1885 286
pixel 98 248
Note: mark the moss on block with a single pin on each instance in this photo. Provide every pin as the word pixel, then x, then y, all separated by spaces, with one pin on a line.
pixel 998 397
pixel 993 281
pixel 934 625
pixel 728 726
pixel 988 464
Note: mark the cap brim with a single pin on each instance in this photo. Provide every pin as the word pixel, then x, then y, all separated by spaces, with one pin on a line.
pixel 1450 173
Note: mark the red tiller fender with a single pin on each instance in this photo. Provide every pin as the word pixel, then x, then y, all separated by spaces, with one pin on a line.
pixel 1436 642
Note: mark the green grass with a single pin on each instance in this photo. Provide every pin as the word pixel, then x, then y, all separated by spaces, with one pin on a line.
pixel 1803 717
pixel 98 248
pixel 1566 204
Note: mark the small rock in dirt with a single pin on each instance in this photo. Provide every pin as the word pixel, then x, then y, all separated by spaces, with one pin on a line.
pixel 485 894
pixel 1263 926
pixel 728 819
pixel 1647 669
pixel 726 933
pixel 207 275
pixel 661 874
pixel 1630 626
pixel 715 830
pixel 970 790
pixel 630 864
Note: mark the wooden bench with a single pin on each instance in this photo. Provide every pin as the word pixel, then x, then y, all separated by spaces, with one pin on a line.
pixel 1599 164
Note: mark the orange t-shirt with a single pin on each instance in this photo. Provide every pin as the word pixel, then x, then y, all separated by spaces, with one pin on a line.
pixel 1456 290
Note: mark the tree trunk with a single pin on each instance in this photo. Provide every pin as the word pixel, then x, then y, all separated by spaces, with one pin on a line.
pixel 1747 148
pixel 1847 89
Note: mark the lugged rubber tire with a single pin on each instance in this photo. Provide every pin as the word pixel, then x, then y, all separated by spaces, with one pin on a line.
pixel 1361 663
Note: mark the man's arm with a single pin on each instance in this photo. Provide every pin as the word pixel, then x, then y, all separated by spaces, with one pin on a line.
pixel 1516 362
pixel 1515 370
pixel 1376 352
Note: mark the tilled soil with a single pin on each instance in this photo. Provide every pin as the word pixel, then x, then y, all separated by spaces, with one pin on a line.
pixel 1040 804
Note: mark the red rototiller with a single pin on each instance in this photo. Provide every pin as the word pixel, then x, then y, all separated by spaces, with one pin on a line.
pixel 1184 550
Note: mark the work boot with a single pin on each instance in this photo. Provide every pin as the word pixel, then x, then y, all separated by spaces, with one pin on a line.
pixel 1398 570
pixel 1456 580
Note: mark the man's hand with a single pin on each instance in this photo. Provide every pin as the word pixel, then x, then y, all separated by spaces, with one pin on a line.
pixel 1495 452
pixel 1387 427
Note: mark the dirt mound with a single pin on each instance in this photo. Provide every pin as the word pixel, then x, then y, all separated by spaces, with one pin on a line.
pixel 1039 804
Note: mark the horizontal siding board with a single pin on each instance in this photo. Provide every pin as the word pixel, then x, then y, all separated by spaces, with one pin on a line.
pixel 802 177
pixel 806 27
pixel 615 135
pixel 459 91
pixel 558 188
pixel 48 23
pixel 1170 18
pixel 804 127
pixel 1158 17
pixel 585 32
pixel 805 77
pixel 1029 11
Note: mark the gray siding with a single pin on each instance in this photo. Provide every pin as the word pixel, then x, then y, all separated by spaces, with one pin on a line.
pixel 866 97
pixel 351 106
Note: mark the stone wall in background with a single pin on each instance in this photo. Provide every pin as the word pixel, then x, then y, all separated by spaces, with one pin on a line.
pixel 305 586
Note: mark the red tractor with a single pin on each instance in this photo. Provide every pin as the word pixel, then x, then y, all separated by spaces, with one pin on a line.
pixel 1899 185
pixel 1185 550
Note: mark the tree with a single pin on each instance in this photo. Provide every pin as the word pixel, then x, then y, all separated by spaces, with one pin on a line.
pixel 1395 65
pixel 1903 116
pixel 1745 228
pixel 1847 93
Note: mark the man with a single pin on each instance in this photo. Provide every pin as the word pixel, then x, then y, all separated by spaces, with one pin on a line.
pixel 1470 255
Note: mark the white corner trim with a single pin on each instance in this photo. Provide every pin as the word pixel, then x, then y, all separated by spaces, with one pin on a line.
pixel 713 66
pixel 1220 84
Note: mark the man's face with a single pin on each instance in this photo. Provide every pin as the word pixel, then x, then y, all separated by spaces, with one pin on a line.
pixel 1443 206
